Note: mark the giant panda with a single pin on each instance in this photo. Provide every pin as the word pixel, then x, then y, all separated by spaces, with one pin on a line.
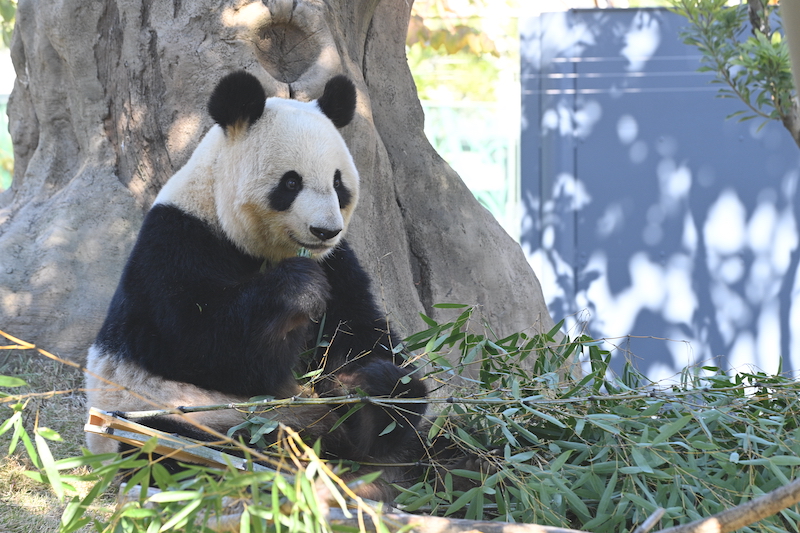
pixel 214 304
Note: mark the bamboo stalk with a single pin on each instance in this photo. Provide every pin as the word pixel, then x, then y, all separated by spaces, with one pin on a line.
pixel 651 521
pixel 382 401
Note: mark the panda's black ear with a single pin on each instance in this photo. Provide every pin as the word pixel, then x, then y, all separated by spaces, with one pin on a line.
pixel 338 100
pixel 238 99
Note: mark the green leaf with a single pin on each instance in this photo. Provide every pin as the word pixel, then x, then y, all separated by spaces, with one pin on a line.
pixel 469 474
pixel 604 506
pixel 784 460
pixel 640 461
pixel 431 322
pixel 450 306
pixel 553 332
pixel 36 476
pixel 179 518
pixel 49 466
pixel 640 502
pixel 149 446
pixel 436 427
pixel 10 381
pixel 462 501
pixel 8 424
pixel 530 437
pixel 473 352
pixel 49 434
pixel 603 421
pixel 670 429
pixel 559 462
pixel 174 496
pixel 504 428
pixel 388 429
pixel 543 416
pixel 21 434
pixel 138 512
pixel 475 509
pixel 345 416
pixel 419 502
pixel 575 502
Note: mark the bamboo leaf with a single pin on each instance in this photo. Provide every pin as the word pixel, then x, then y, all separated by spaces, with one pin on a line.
pixel 462 501
pixel 431 322
pixel 182 516
pixel 10 381
pixel 388 429
pixel 49 465
pixel 670 429
pixel 174 496
pixel 559 462
pixel 603 422
pixel 350 412
pixel 543 416
pixel 436 427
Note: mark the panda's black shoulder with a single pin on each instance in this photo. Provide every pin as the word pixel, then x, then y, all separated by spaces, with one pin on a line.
pixel 175 252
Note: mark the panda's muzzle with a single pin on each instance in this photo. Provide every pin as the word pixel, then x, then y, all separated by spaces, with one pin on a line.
pixel 324 234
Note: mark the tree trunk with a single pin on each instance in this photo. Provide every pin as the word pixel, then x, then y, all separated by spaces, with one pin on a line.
pixel 110 101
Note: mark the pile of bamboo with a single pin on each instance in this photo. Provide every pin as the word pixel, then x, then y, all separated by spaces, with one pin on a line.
pixel 190 451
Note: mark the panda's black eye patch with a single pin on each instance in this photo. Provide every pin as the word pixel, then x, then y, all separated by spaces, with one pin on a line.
pixel 292 181
pixel 282 196
pixel 342 192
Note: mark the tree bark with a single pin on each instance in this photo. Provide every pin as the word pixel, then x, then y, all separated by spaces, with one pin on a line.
pixel 110 101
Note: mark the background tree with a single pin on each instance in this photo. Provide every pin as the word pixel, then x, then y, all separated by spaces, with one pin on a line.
pixel 8 9
pixel 744 46
pixel 109 102
pixel 456 48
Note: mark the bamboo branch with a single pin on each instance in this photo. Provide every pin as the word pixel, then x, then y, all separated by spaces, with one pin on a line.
pixel 651 521
pixel 295 401
pixel 744 514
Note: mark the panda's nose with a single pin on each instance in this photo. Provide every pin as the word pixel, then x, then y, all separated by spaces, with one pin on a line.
pixel 324 234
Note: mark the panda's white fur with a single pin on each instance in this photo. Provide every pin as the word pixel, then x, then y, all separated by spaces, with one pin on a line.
pixel 214 306
pixel 119 386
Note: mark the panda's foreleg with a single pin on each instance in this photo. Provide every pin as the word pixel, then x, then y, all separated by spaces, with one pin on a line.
pixel 248 338
pixel 299 293
pixel 361 358
pixel 378 430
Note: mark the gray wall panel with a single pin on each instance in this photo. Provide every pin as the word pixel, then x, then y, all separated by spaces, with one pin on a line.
pixel 646 212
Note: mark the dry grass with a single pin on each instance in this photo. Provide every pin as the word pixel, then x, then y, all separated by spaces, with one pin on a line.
pixel 54 393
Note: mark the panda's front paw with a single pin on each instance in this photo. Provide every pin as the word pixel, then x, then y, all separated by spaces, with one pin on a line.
pixel 303 286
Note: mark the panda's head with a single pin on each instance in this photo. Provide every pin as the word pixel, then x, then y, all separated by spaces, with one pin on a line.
pixel 285 179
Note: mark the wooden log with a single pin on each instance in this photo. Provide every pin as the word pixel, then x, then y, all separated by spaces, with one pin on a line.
pixel 179 448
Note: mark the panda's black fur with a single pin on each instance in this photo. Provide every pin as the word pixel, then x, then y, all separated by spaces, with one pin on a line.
pixel 202 315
